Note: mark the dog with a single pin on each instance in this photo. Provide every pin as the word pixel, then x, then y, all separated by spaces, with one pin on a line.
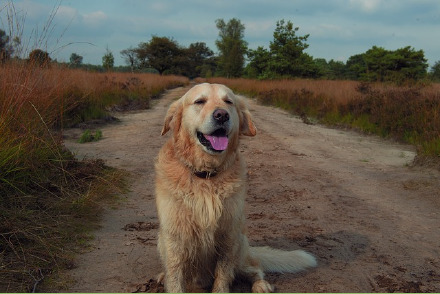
pixel 201 183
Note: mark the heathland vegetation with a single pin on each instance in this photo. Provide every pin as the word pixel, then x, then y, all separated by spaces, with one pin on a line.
pixel 48 199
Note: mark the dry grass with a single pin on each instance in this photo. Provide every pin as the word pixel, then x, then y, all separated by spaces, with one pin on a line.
pixel 407 113
pixel 341 91
pixel 49 200
pixel 36 103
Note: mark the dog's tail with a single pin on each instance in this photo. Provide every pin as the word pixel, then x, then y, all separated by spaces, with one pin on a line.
pixel 279 261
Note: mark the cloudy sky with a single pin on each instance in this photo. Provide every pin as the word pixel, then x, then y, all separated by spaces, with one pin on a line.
pixel 338 28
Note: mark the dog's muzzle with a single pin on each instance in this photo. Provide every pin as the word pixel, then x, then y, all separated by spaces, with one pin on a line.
pixel 216 141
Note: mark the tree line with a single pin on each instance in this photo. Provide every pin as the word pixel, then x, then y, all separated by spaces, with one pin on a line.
pixel 285 57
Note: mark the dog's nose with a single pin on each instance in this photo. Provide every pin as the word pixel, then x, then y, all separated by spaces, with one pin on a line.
pixel 221 115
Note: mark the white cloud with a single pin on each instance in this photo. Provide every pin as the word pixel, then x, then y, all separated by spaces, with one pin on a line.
pixel 95 18
pixel 32 9
pixel 159 6
pixel 66 13
pixel 327 30
pixel 366 5
pixel 256 28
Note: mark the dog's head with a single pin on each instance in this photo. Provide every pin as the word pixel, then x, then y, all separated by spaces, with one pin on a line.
pixel 208 120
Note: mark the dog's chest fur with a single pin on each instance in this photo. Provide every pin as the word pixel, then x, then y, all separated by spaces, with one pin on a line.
pixel 203 209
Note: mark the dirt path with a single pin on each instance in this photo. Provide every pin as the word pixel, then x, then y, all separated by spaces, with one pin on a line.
pixel 372 222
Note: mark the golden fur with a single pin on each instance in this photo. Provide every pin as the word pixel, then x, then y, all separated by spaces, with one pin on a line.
pixel 202 225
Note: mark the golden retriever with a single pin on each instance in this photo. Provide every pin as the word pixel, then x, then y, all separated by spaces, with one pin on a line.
pixel 201 186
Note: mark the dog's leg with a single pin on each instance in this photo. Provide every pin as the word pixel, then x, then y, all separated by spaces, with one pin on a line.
pixel 162 253
pixel 224 275
pixel 174 277
pixel 227 260
pixel 254 272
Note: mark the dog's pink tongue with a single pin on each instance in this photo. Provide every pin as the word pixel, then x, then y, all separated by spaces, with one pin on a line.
pixel 218 143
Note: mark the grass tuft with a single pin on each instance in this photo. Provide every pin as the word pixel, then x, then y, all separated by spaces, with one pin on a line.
pixel 87 136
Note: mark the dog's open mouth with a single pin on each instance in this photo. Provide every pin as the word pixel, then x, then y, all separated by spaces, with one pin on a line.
pixel 217 141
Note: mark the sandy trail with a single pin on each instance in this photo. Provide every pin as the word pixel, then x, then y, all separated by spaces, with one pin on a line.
pixel 351 200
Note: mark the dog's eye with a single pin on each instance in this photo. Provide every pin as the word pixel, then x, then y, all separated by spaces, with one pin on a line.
pixel 200 101
pixel 227 101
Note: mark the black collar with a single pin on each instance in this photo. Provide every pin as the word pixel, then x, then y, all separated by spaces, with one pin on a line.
pixel 205 174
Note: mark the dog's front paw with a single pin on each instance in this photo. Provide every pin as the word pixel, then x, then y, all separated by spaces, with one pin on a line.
pixel 220 287
pixel 262 286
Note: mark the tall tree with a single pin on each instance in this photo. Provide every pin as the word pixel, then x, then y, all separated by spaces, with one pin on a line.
pixel 130 57
pixel 75 60
pixel 5 47
pixel 39 57
pixel 379 64
pixel 356 66
pixel 288 58
pixel 161 53
pixel 16 46
pixel 322 67
pixel 337 70
pixel 199 58
pixel 108 60
pixel 407 64
pixel 258 66
pixel 435 71
pixel 376 63
pixel 166 56
pixel 232 47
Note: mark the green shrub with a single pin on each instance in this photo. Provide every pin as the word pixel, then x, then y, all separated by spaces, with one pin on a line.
pixel 87 136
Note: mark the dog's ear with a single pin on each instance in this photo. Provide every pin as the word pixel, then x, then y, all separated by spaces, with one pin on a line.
pixel 173 117
pixel 247 126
